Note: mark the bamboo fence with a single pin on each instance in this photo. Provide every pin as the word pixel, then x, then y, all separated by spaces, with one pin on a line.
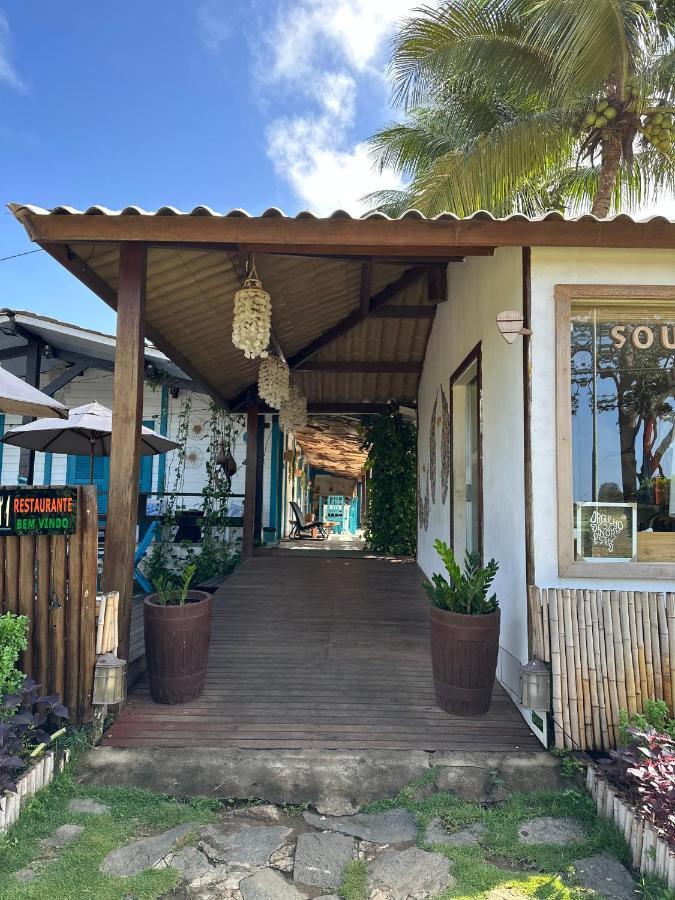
pixel 608 651
pixel 650 854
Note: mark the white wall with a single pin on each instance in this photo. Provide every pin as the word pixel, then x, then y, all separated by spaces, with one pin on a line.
pixel 479 288
pixel 551 266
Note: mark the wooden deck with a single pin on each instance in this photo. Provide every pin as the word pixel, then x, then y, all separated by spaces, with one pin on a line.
pixel 319 652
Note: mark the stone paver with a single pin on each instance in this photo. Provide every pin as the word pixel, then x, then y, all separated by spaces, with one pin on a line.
pixel 85 805
pixel 192 864
pixel 605 875
pixel 25 875
pixel 269 885
pixel 469 836
pixel 550 830
pixel 263 812
pixel 243 846
pixel 396 826
pixel 320 858
pixel 62 837
pixel 144 854
pixel 411 874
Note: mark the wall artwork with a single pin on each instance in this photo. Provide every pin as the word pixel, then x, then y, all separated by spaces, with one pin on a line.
pixel 445 446
pixel 432 450
pixel 423 503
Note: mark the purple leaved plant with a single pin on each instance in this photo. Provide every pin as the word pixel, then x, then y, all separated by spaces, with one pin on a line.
pixel 25 723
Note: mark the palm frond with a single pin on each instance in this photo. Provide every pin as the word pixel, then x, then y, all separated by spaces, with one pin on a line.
pixel 482 39
pixel 492 171
pixel 591 42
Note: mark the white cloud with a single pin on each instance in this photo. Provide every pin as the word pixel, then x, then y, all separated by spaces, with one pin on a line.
pixel 8 73
pixel 354 31
pixel 214 25
pixel 322 54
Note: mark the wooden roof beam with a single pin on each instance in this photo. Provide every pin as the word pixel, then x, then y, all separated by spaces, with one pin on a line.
pixel 372 236
pixel 389 311
pixel 330 408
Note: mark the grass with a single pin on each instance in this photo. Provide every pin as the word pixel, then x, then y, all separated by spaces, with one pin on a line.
pixel 73 872
pixel 354 880
pixel 502 868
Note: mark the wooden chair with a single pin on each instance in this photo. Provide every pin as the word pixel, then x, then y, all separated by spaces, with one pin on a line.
pixel 300 529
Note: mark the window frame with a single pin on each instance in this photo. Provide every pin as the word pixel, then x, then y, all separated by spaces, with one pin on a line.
pixel 473 358
pixel 565 295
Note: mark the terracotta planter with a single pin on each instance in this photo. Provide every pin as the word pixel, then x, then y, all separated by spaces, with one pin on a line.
pixel 177 647
pixel 464 659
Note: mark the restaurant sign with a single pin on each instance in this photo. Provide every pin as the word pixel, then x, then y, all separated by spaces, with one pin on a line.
pixel 606 532
pixel 42 510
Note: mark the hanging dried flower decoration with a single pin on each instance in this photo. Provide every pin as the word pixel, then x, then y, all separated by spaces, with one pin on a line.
pixel 252 317
pixel 274 381
pixel 293 413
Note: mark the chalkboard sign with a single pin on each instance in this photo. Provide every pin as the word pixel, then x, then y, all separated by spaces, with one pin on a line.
pixel 606 532
pixel 43 510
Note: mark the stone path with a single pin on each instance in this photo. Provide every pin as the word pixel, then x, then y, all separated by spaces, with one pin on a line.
pixel 263 853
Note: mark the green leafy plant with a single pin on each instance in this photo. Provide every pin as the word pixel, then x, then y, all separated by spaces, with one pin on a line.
pixel 392 484
pixel 467 591
pixel 655 717
pixel 173 591
pixel 13 639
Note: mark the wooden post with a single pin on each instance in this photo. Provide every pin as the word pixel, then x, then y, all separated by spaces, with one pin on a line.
pixel 120 539
pixel 251 483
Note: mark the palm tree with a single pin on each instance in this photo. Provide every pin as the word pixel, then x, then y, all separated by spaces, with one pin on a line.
pixel 530 105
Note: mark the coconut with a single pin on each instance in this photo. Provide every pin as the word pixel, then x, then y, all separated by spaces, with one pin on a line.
pixel 589 119
pixel 600 122
pixel 658 118
pixel 667 120
pixel 602 105
pixel 610 113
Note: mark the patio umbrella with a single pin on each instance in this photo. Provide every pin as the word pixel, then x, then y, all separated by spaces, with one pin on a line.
pixel 86 432
pixel 21 399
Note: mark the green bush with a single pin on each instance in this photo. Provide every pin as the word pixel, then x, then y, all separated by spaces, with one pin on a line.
pixel 656 715
pixel 392 484
pixel 13 631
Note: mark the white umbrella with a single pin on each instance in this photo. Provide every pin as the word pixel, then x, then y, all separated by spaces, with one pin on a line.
pixel 86 432
pixel 21 399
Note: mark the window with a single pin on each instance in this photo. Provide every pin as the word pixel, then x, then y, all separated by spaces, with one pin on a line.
pixel 466 506
pixel 616 474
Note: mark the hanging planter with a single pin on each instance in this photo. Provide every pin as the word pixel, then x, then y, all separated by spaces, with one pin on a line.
pixel 252 317
pixel 274 380
pixel 293 413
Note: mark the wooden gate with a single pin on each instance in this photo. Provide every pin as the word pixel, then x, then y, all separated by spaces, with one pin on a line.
pixel 52 580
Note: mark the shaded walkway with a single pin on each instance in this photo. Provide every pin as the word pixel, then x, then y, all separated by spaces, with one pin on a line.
pixel 317 652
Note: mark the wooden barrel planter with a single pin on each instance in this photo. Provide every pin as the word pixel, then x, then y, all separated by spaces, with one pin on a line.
pixel 464 658
pixel 177 646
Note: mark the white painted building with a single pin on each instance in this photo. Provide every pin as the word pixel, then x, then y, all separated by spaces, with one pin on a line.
pixel 496 434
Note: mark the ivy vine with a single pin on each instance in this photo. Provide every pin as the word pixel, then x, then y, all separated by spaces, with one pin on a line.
pixel 216 554
pixel 392 484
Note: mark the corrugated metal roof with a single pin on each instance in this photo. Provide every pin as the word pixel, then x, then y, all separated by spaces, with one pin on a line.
pixel 274 212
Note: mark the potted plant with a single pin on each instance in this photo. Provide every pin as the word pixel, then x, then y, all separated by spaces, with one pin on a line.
pixel 661 491
pixel 464 633
pixel 177 626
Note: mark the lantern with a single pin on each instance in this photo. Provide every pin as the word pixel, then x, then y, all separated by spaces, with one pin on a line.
pixel 293 413
pixel 535 685
pixel 274 381
pixel 252 321
pixel 110 680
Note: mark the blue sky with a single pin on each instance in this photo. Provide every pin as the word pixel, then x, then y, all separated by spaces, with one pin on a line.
pixel 230 103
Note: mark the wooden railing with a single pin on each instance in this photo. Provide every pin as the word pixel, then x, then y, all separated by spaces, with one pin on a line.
pixel 51 579
pixel 608 651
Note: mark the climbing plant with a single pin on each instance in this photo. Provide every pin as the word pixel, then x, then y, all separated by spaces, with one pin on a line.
pixel 392 484
pixel 215 555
